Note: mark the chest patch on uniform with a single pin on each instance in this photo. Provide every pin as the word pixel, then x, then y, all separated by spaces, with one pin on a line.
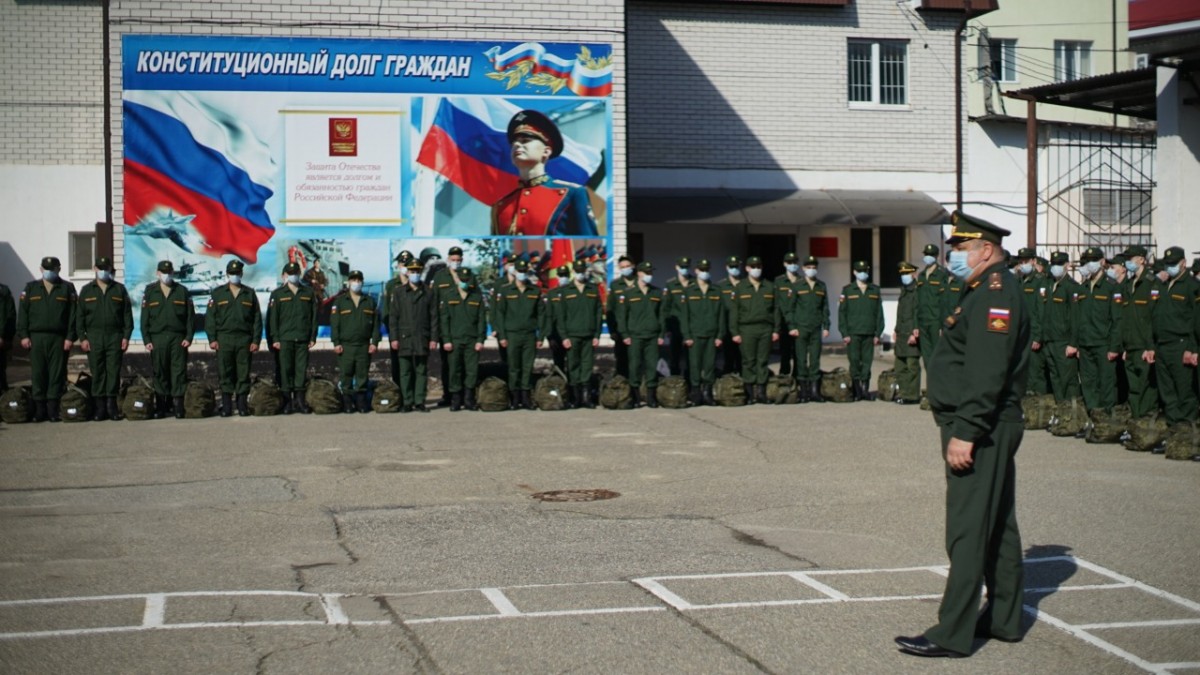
pixel 998 320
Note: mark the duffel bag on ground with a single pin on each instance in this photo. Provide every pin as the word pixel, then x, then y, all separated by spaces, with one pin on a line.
pixel 836 386
pixel 16 405
pixel 386 398
pixel 492 395
pixel 323 397
pixel 730 390
pixel 1038 409
pixel 673 392
pixel 550 392
pixel 75 404
pixel 1070 417
pixel 137 399
pixel 782 389
pixel 889 388
pixel 265 399
pixel 1146 433
pixel 199 400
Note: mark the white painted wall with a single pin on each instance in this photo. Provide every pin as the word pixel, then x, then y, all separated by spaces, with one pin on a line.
pixel 1176 197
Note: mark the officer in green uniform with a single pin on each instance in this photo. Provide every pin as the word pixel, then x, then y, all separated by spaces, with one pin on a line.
pixel 8 328
pixel 906 340
pixel 577 314
pixel 104 324
pixel 398 278
pixel 932 283
pixel 519 320
pixel 785 285
pixel 463 329
pixel 1115 269
pixel 624 280
pixel 754 324
pixel 860 320
pixel 1033 287
pixel 1096 332
pixel 1137 331
pixel 168 323
pixel 676 352
pixel 354 331
pixel 702 321
pixel 444 284
pixel 643 320
pixel 413 328
pixel 1174 321
pixel 1055 332
pixel 807 316
pixel 292 332
pixel 46 327
pixel 975 386
pixel 234 326
pixel 554 339
pixel 731 352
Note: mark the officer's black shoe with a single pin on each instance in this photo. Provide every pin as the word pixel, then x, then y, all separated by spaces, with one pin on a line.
pixel 299 404
pixel 652 397
pixel 287 404
pixel 801 391
pixel 39 411
pixel 527 400
pixel 226 409
pixel 469 402
pixel 1196 458
pixel 420 407
pixel 866 391
pixel 456 402
pixel 814 392
pixel 922 646
pixel 179 411
pixel 635 394
pixel 101 412
pixel 364 401
pixel 52 412
pixel 514 400
pixel 114 410
pixel 708 395
pixel 243 405
pixel 760 393
pixel 749 394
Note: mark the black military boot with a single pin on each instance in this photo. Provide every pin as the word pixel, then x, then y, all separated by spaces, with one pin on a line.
pixel 586 397
pixel 456 401
pixel 39 411
pixel 527 400
pixel 287 404
pixel 52 411
pixel 570 398
pixel 760 393
pixel 801 391
pixel 363 399
pixel 179 409
pixel 226 408
pixel 707 392
pixel 866 391
pixel 814 391
pixel 114 411
pixel 749 394
pixel 634 394
pixel 652 397
pixel 101 409
pixel 469 401
pixel 347 403
pixel 299 404
pixel 243 405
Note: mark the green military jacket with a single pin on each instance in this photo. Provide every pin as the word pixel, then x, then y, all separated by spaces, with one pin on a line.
pixel 977 374
pixel 1137 316
pixel 1055 325
pixel 351 324
pixel 233 316
pixel 784 287
pixel 674 289
pixel 385 301
pixel 702 313
pixel 104 311
pixel 952 295
pixel 463 319
pixel 1033 289
pixel 860 312
pixel 8 315
pixel 615 288
pixel 752 306
pixel 519 312
pixel 641 314
pixel 807 309
pixel 1096 315
pixel 292 316
pixel 728 289
pixel 577 313
pixel 47 311
pixel 169 313
pixel 412 319
pixel 932 283
pixel 1175 310
pixel 906 320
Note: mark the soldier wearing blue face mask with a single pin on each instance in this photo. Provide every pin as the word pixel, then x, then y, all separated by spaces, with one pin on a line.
pixel 1138 293
pixel 46 327
pixel 623 281
pixel 675 288
pixel 234 325
pixel 932 283
pixel 1055 331
pixel 905 338
pixel 520 325
pixel 785 285
pixel 807 316
pixel 1033 289
pixel 731 354
pixel 1096 332
pixel 860 320
pixel 1175 346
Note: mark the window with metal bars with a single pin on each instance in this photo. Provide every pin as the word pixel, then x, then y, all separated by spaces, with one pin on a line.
pixel 1116 207
pixel 877 72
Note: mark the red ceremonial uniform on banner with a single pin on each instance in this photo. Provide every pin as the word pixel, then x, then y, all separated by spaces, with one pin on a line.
pixel 544 207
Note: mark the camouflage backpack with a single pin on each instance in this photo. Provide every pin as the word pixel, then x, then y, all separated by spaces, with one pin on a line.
pixel 836 386
pixel 889 388
pixel 322 396
pixel 199 401
pixel 1070 418
pixel 1146 433
pixel 673 392
pixel 265 398
pixel 492 395
pixel 15 405
pixel 137 399
pixel 729 390
pixel 1105 427
pixel 616 394
pixel 1183 441
pixel 550 392
pixel 76 403
pixel 1038 409
pixel 387 397
pixel 782 389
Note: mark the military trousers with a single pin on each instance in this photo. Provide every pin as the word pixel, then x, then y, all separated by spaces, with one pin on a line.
pixel 354 363
pixel 233 362
pixel 702 361
pixel 1143 393
pixel 643 362
pixel 808 355
pixel 104 362
pixel 982 542
pixel 677 354
pixel 48 361
pixel 4 368
pixel 414 378
pixel 169 358
pixel 1175 382
pixel 394 364
pixel 908 377
pixel 444 373
pixel 787 354
pixel 1098 378
pixel 731 356
pixel 756 353
pixel 522 348
pixel 293 365
pixel 620 354
pixel 1037 382
pixel 463 363
pixel 581 358
pixel 1062 371
pixel 861 352
pixel 558 353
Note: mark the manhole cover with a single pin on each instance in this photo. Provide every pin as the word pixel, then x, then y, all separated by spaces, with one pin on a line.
pixel 590 495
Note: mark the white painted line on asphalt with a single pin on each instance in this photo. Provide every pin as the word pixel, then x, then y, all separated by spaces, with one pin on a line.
pixel 1181 665
pixel 1179 600
pixel 1139 624
pixel 1089 587
pixel 156 609
pixel 661 592
pixel 1095 641
pixel 818 586
pixel 534 615
pixel 500 601
pixel 74 632
pixel 334 613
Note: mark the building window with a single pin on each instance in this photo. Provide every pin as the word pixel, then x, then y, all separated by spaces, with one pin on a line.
pixel 1116 207
pixel 1002 58
pixel 1072 60
pixel 83 253
pixel 878 72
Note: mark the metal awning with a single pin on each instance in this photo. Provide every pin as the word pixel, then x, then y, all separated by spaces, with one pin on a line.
pixel 721 206
pixel 1131 92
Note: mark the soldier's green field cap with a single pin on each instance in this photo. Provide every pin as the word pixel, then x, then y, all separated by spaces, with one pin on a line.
pixel 564 270
pixel 905 267
pixel 931 249
pixel 579 265
pixel 754 261
pixel 684 262
pixel 166 267
pixel 1042 261
pixel 967 228
pixel 790 257
pixel 703 264
pixel 355 274
pixel 1118 259
pixel 733 261
pixel 1092 253
pixel 1173 255
pixel 1195 265
pixel 645 266
pixel 812 260
pixel 291 268
pixel 862 266
pixel 1158 265
pixel 51 263
pixel 1059 258
pixel 1026 253
pixel 522 265
pixel 103 263
pixel 234 267
pixel 1135 250
pixel 454 250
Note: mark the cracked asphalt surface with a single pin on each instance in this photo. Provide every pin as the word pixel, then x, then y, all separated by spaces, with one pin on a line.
pixel 405 518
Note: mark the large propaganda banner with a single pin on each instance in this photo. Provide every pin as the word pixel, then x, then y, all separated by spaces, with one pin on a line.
pixel 338 154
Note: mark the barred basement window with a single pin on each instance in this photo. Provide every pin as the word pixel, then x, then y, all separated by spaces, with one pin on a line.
pixel 1116 207
pixel 877 72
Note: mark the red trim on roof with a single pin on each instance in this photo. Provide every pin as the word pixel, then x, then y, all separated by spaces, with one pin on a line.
pixel 825 3
pixel 1154 13
pixel 977 6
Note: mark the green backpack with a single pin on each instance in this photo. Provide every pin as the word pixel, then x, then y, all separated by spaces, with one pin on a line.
pixel 76 403
pixel 616 394
pixel 889 388
pixel 199 401
pixel 1106 427
pixel 1146 433
pixel 673 392
pixel 1038 409
pixel 492 395
pixel 730 390
pixel 782 389
pixel 136 399
pixel 1183 442
pixel 1070 417
pixel 836 386
pixel 550 392
pixel 15 405
pixel 387 397
pixel 265 399
pixel 323 397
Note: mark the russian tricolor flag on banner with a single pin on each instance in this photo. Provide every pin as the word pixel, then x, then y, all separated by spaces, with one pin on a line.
pixel 468 144
pixel 194 160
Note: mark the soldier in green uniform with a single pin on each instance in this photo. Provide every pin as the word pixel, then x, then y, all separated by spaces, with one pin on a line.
pixel 807 316
pixel 519 320
pixel 702 321
pixel 104 324
pixel 860 320
pixel 643 319
pixel 354 331
pixel 554 339
pixel 785 284
pixel 292 332
pixel 1175 344
pixel 1115 269
pixel 1055 331
pixel 932 283
pixel 444 284
pixel 1137 331
pixel 398 278
pixel 463 329
pixel 1033 288
pixel 754 324
pixel 731 352
pixel 624 280
pixel 975 386
pixel 413 328
pixel 8 328
pixel 234 325
pixel 905 338
pixel 578 315
pixel 1096 332
pixel 168 323
pixel 676 352
pixel 46 327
